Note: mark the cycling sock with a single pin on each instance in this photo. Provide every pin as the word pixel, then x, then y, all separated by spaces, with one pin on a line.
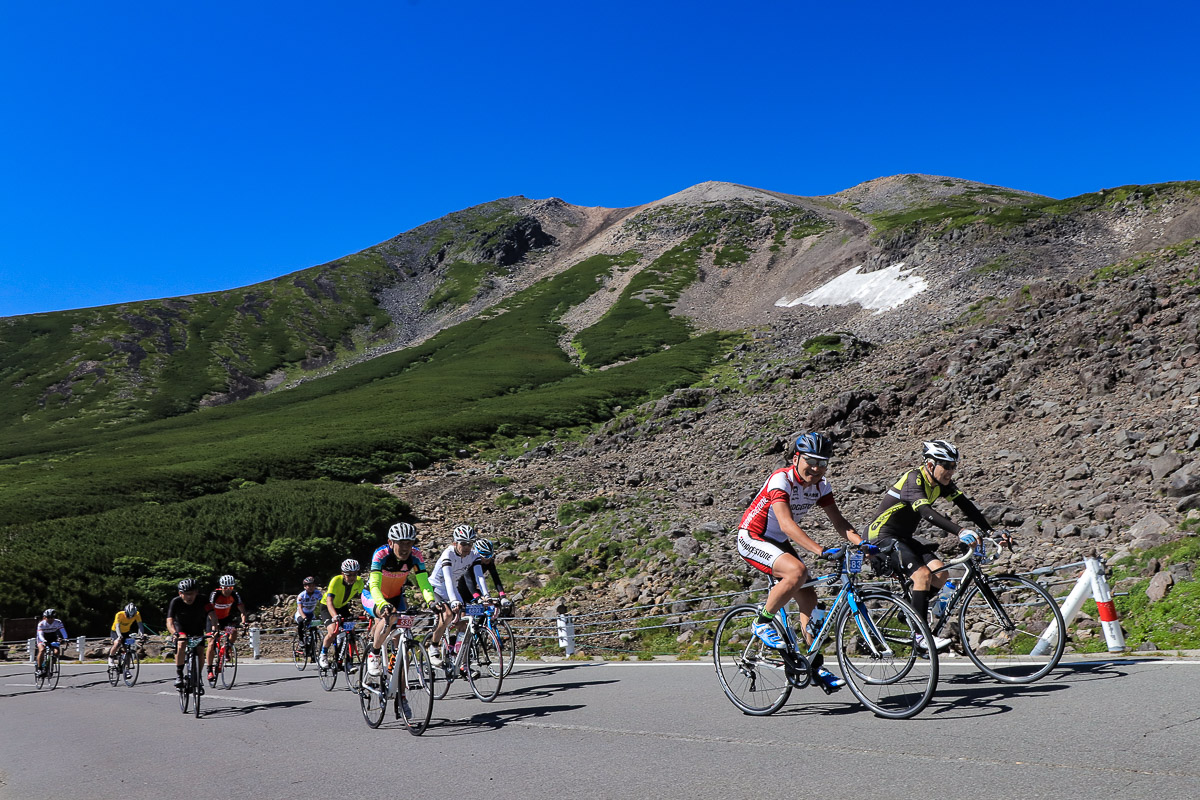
pixel 374 650
pixel 920 602
pixel 763 616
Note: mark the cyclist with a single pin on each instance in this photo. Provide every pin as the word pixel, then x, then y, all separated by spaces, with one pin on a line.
pixel 910 500
pixel 222 600
pixel 50 632
pixel 391 567
pixel 186 616
pixel 306 605
pixel 122 626
pixel 769 533
pixel 452 565
pixel 342 589
pixel 468 587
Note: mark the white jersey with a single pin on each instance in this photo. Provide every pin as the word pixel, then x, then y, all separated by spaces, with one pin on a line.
pixel 307 601
pixel 56 629
pixel 449 568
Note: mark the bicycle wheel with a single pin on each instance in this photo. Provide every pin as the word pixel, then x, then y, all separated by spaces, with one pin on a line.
pixel 197 683
pixel 444 675
pixel 877 651
pixel 114 670
pixel 417 685
pixel 350 658
pixel 132 664
pixel 185 691
pixel 299 654
pixel 55 671
pixel 753 675
pixel 39 671
pixel 328 674
pixel 229 664
pixel 485 664
pixel 371 695
pixel 508 644
pixel 1011 629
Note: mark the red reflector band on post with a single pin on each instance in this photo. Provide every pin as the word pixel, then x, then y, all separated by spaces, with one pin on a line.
pixel 1108 611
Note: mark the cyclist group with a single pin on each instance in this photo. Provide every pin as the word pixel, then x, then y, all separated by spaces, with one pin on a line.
pixel 769 533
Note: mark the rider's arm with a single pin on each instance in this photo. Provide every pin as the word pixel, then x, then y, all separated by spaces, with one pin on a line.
pixel 972 512
pixel 422 578
pixel 495 573
pixel 480 583
pixel 783 515
pixel 449 582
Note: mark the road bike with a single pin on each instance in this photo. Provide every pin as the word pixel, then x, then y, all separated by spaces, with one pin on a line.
pixel 406 680
pixel 304 646
pixel 126 663
pixel 192 686
pixel 48 671
pixel 1011 628
pixel 504 634
pixel 225 659
pixel 876 639
pixel 479 658
pixel 345 656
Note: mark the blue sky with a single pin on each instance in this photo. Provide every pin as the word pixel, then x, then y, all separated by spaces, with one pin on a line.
pixel 153 149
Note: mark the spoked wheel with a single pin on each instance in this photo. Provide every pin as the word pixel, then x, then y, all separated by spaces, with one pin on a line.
pixel 485 665
pixel 350 661
pixel 417 684
pixel 877 651
pixel 41 672
pixel 228 671
pixel 1011 629
pixel 753 675
pixel 185 693
pixel 132 664
pixel 329 675
pixel 370 695
pixel 114 671
pixel 299 655
pixel 444 675
pixel 508 644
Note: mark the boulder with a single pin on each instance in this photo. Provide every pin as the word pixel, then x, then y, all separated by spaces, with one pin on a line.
pixel 1159 586
pixel 1148 525
pixel 687 546
pixel 1185 481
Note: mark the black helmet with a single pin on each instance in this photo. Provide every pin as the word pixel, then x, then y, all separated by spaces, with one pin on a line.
pixel 188 585
pixel 815 446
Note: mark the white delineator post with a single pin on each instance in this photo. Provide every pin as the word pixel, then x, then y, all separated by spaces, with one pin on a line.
pixel 256 641
pixel 566 634
pixel 1092 582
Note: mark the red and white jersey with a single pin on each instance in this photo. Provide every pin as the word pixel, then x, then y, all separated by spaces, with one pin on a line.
pixel 783 484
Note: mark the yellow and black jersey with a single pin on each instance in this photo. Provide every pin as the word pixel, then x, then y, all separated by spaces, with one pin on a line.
pixel 910 500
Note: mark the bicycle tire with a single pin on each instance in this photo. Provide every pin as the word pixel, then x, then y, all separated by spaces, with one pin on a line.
pixel 185 691
pixel 197 683
pixel 299 657
pixel 879 657
pixel 350 660
pixel 485 657
pixel 133 667
pixel 508 644
pixel 418 683
pixel 229 665
pixel 39 674
pixel 55 672
pixel 1004 649
pixel 114 670
pixel 444 675
pixel 752 675
pixel 371 695
pixel 329 674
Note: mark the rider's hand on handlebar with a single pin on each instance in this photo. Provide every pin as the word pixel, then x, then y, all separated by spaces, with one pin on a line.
pixel 968 537
pixel 831 553
pixel 385 609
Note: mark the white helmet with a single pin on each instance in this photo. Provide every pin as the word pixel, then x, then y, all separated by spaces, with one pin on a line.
pixel 940 450
pixel 226 582
pixel 464 533
pixel 402 532
pixel 350 565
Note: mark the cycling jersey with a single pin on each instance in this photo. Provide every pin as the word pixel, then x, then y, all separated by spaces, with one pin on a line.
pixel 124 624
pixel 340 593
pixel 450 568
pixel 307 601
pixel 51 631
pixel 911 499
pixel 223 605
pixel 471 587
pixel 389 575
pixel 783 484
pixel 191 619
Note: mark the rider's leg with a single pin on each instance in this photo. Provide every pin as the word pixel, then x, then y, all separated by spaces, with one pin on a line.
pixel 790 575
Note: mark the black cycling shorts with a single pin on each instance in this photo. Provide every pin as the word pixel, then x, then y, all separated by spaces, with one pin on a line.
pixel 909 555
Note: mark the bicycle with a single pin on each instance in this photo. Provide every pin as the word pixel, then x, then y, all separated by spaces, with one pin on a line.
pixel 192 687
pixel 875 638
pixel 479 658
pixel 128 662
pixel 345 656
pixel 304 647
pixel 225 659
pixel 401 654
pixel 1008 626
pixel 504 635
pixel 49 668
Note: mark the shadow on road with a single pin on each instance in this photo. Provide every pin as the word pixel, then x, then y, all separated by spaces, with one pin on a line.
pixel 493 720
pixel 241 711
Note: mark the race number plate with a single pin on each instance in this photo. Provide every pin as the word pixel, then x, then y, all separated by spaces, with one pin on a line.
pixel 854 562
pixel 404 622
pixel 475 610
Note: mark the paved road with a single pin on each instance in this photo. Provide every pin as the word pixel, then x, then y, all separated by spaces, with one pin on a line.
pixel 1122 729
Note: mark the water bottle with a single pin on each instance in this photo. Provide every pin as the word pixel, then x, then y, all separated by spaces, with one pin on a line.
pixel 816 621
pixel 943 598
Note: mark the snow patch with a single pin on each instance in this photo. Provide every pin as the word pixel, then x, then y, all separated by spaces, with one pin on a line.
pixel 879 291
